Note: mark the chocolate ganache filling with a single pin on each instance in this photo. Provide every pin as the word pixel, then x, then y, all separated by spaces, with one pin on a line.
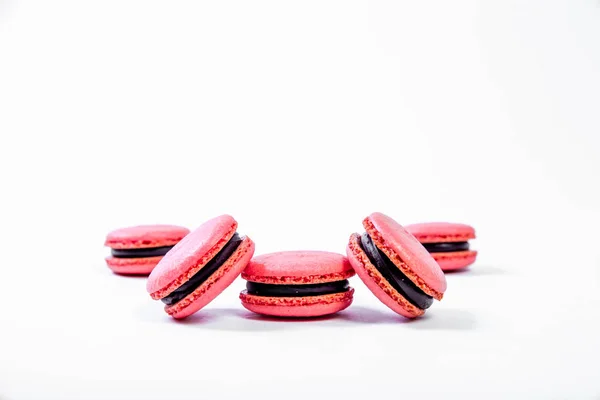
pixel 313 289
pixel 446 247
pixel 394 276
pixel 141 253
pixel 205 272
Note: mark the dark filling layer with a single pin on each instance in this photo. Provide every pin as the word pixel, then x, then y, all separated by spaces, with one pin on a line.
pixel 317 289
pixel 446 247
pixel 201 276
pixel 140 253
pixel 394 276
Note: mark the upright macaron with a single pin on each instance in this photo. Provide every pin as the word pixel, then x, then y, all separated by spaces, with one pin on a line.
pixel 297 284
pixel 200 267
pixel 395 266
pixel 447 242
pixel 136 250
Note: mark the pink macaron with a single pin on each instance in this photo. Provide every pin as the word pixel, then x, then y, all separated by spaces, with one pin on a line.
pixel 200 267
pixel 395 266
pixel 297 284
pixel 137 249
pixel 447 242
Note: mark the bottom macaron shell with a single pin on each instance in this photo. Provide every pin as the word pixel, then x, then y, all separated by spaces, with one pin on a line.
pixel 298 307
pixel 218 282
pixel 455 260
pixel 377 283
pixel 132 266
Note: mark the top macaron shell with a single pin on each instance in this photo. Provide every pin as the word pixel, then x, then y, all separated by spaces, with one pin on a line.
pixel 440 232
pixel 145 236
pixel 409 249
pixel 298 267
pixel 175 266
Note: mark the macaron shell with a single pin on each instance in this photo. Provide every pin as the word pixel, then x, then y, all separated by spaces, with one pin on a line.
pixel 145 236
pixel 376 283
pixel 189 255
pixel 455 260
pixel 214 285
pixel 132 266
pixel 407 253
pixel 298 267
pixel 441 232
pixel 298 307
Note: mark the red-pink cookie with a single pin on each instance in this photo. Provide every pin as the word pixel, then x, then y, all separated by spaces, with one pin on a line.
pixel 395 266
pixel 297 284
pixel 200 267
pixel 137 249
pixel 447 242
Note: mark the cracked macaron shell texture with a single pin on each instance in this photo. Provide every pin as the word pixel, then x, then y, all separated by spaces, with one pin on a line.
pixel 141 237
pixel 189 256
pixel 446 232
pixel 297 268
pixel 406 253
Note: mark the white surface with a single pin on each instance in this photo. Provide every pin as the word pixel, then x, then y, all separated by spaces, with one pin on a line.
pixel 300 119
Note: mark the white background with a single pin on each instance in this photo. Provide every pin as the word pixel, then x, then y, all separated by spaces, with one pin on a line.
pixel 299 119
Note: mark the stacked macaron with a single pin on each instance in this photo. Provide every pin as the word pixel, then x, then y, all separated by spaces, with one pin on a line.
pixel 447 242
pixel 395 266
pixel 200 267
pixel 136 250
pixel 297 284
